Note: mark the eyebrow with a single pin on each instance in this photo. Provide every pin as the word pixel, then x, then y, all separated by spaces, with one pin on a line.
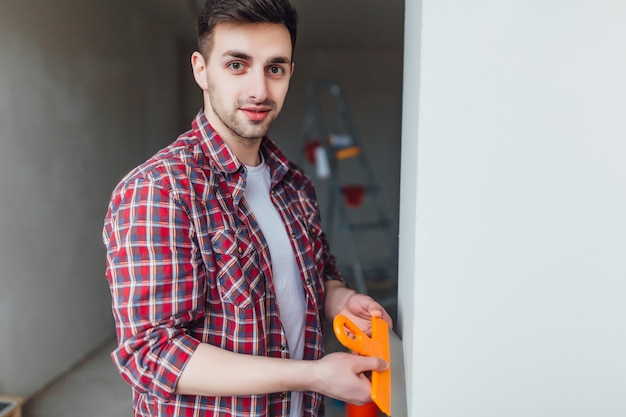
pixel 247 57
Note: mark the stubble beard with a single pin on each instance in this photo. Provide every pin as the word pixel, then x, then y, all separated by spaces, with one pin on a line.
pixel 248 130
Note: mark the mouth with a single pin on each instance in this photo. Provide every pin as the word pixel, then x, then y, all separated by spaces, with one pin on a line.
pixel 255 114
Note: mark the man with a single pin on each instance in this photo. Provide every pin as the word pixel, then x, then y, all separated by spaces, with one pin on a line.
pixel 219 271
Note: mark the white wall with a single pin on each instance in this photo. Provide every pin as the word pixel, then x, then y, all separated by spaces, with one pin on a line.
pixel 515 258
pixel 87 91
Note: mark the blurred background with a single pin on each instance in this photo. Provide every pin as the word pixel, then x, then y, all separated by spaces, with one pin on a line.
pixel 88 90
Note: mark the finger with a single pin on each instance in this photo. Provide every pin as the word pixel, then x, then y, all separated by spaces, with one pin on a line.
pixel 361 391
pixel 381 313
pixel 372 363
pixel 376 313
pixel 388 319
pixel 381 365
pixel 361 302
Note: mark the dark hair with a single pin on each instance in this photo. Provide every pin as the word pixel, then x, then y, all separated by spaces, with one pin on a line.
pixel 215 12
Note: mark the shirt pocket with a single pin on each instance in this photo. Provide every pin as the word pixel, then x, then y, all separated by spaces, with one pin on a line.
pixel 310 245
pixel 239 275
pixel 315 234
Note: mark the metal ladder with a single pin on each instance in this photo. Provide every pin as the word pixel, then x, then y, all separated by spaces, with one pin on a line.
pixel 354 194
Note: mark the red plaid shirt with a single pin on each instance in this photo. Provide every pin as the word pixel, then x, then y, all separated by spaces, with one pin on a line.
pixel 187 264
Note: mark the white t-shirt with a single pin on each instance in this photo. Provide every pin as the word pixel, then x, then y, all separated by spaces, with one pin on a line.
pixel 285 275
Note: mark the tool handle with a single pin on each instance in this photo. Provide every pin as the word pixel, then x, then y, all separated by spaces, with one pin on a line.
pixel 354 338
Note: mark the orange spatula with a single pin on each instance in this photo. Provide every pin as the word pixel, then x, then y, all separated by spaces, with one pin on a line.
pixel 378 345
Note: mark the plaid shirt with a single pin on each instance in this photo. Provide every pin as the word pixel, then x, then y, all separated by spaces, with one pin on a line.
pixel 187 264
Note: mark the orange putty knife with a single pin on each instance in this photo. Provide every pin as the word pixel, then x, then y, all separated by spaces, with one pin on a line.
pixel 378 345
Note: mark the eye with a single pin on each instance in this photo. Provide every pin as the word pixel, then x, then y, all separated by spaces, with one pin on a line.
pixel 276 70
pixel 236 66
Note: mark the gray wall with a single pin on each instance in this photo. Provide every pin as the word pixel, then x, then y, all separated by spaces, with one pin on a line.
pixel 513 233
pixel 88 90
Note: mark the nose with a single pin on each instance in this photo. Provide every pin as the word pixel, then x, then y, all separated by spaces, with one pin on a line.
pixel 257 87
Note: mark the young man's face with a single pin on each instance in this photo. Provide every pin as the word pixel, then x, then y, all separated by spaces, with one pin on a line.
pixel 245 78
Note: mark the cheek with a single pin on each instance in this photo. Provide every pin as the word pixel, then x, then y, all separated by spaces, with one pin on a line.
pixel 222 91
pixel 279 92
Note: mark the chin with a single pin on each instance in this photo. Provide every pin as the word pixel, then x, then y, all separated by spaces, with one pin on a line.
pixel 256 132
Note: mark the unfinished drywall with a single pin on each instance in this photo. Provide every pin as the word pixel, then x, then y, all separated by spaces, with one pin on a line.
pixel 88 90
pixel 513 273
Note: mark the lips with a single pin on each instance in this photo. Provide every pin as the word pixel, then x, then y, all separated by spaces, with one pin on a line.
pixel 256 114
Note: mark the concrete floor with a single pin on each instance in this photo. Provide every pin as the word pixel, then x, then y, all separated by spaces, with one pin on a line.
pixel 95 389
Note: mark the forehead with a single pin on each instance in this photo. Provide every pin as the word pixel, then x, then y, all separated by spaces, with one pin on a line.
pixel 258 40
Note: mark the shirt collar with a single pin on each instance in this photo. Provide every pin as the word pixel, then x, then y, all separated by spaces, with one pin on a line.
pixel 213 146
pixel 226 161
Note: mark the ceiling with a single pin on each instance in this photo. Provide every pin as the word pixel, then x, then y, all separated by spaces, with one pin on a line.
pixel 357 24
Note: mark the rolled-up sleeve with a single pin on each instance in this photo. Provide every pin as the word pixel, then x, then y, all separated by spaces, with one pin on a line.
pixel 157 285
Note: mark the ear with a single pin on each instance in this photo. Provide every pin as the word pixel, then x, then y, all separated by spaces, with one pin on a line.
pixel 293 67
pixel 198 64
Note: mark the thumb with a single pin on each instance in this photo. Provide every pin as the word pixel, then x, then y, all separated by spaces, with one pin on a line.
pixel 373 363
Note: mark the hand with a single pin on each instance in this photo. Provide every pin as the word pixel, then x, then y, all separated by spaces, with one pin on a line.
pixel 357 307
pixel 343 376
pixel 361 308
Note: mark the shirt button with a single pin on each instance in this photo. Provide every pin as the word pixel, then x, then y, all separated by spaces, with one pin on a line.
pixel 240 251
pixel 283 396
pixel 282 347
pixel 293 235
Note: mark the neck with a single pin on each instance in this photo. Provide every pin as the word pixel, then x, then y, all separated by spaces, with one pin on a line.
pixel 246 150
